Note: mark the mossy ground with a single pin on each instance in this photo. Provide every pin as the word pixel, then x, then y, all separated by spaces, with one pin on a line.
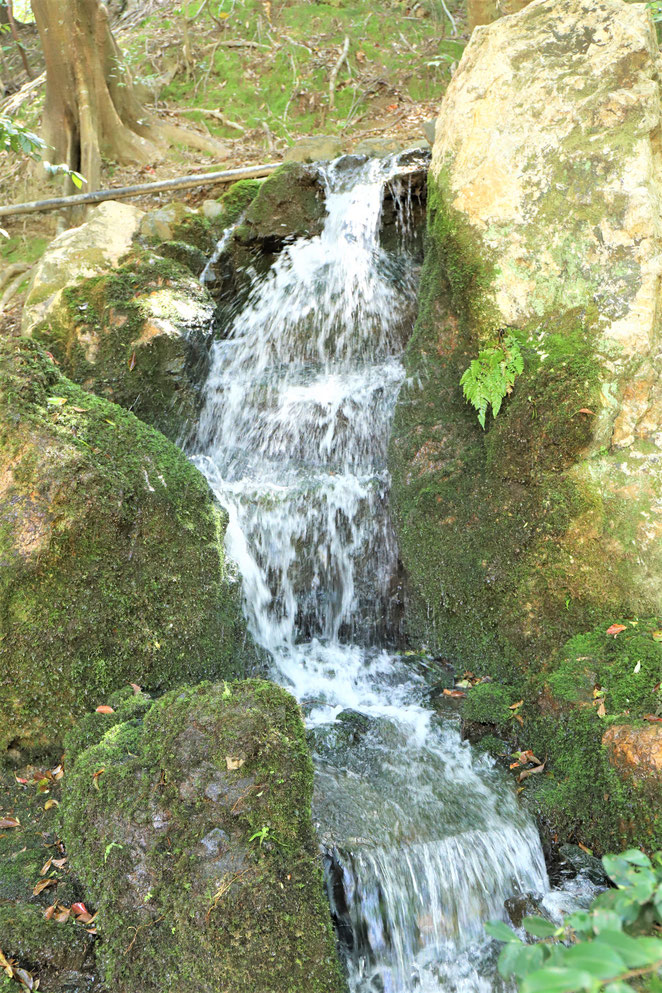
pixel 252 917
pixel 113 566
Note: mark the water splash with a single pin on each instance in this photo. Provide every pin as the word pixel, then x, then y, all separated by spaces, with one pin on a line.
pixel 424 839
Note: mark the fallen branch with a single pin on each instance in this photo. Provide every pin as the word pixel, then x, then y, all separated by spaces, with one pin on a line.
pixel 11 271
pixel 334 73
pixel 126 192
pixel 232 43
pixel 12 103
pixel 216 114
pixel 12 289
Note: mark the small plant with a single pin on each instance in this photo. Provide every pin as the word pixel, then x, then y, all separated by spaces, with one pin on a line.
pixel 492 375
pixel 262 835
pixel 602 948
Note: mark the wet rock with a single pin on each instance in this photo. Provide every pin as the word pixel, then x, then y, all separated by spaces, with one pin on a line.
pixel 320 148
pixel 194 259
pixel 519 907
pixel 584 863
pixel 112 551
pixel 289 205
pixel 163 223
pixel 223 885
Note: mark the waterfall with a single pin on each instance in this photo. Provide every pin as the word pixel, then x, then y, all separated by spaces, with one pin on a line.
pixel 423 837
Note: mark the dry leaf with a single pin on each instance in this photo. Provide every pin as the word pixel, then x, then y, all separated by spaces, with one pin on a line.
pixel 530 772
pixel 454 694
pixel 515 706
pixel 104 709
pixel 135 687
pixel 585 410
pixel 233 763
pixel 45 867
pixel 9 822
pixel 652 717
pixel 584 848
pixel 78 908
pixel 5 965
pixel 657 635
pixel 132 362
pixel 601 709
pixel 95 778
pixel 615 629
pixel 50 803
pixel 43 884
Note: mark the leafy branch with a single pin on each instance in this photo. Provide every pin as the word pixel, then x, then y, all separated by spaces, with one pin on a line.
pixel 597 949
pixel 492 375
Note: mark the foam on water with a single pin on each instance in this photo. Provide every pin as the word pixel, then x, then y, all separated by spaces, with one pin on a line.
pixel 424 839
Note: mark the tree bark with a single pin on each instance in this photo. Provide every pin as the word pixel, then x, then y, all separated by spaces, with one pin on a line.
pixel 91 109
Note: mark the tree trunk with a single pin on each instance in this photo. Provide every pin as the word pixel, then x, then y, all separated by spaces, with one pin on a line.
pixel 91 109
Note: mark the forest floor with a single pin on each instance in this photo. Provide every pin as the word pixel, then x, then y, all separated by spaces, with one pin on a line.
pixel 256 76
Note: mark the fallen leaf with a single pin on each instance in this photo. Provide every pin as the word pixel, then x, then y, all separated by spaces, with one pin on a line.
pixel 530 772
pixel 652 718
pixel 464 684
pixel 601 709
pixel 104 709
pixel 588 851
pixel 615 629
pixel 43 884
pixel 637 668
pixel 56 401
pixel 50 803
pixel 45 867
pixel 518 717
pixel 63 915
pixel 455 694
pixel 132 362
pixel 95 778
pixel 585 410
pixel 233 763
pixel 9 822
pixel 48 913
pixel 516 706
pixel 58 772
pixel 22 781
pixel 81 410
pixel 6 966
pixel 79 908
pixel 135 687
pixel 26 979
pixel 657 635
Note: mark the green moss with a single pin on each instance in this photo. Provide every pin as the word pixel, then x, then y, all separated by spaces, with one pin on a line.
pixel 113 565
pixel 225 762
pixel 190 257
pixel 105 337
pixel 489 703
pixel 195 230
pixel 237 199
pixel 37 943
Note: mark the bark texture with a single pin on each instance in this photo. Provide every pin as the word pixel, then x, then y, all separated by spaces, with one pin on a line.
pixel 91 109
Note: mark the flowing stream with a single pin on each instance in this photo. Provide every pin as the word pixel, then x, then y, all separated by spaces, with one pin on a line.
pixel 423 836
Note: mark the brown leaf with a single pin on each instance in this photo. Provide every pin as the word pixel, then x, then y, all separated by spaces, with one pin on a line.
pixel 60 862
pixel 454 694
pixel 104 709
pixel 530 772
pixel 135 687
pixel 601 709
pixel 51 803
pixel 80 410
pixel 585 410
pixel 518 717
pixel 57 773
pixel 95 778
pixel 9 822
pixel 63 915
pixel 132 362
pixel 5 965
pixel 78 908
pixel 584 848
pixel 652 717
pixel 516 706
pixel 48 913
pixel 23 782
pixel 615 629
pixel 43 884
pixel 45 867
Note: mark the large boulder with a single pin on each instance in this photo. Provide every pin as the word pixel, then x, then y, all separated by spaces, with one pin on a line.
pixel 190 828
pixel 129 324
pixel 545 245
pixel 113 569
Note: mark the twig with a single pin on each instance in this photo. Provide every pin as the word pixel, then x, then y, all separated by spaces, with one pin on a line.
pixel 238 43
pixel 140 927
pixel 17 40
pixel 334 73
pixel 270 138
pixel 215 114
pixel 450 18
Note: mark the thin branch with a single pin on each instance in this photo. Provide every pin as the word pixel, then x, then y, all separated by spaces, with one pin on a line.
pixel 216 114
pixel 17 40
pixel 11 290
pixel 334 73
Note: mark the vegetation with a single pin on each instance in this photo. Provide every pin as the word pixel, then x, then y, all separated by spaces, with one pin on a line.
pixel 608 947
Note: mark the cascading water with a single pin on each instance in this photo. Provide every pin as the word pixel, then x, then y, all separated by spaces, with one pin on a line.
pixel 424 839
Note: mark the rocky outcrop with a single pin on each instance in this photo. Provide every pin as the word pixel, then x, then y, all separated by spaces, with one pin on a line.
pixel 129 324
pixel 111 545
pixel 545 243
pixel 636 752
pixel 196 839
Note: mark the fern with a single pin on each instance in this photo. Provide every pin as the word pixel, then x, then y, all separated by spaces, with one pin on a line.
pixel 491 376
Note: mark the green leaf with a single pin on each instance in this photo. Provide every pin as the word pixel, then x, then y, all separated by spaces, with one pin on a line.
pixel 635 857
pixel 539 927
pixel 596 957
pixel 517 959
pixel 635 955
pixel 619 987
pixel 56 401
pixel 556 980
pixel 500 931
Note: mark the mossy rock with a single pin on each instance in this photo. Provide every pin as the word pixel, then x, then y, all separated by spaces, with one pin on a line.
pixel 199 841
pixel 112 550
pixel 138 335
pixel 236 200
pixel 489 703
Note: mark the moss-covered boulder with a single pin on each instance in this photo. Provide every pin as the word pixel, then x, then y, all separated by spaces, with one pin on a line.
pixel 543 243
pixel 111 545
pixel 130 324
pixel 197 847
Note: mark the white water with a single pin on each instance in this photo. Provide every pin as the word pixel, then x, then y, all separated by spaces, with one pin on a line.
pixel 424 838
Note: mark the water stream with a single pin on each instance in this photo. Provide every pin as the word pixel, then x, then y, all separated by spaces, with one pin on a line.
pixel 423 836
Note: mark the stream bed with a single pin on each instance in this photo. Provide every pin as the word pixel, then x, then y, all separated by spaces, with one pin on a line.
pixel 423 836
